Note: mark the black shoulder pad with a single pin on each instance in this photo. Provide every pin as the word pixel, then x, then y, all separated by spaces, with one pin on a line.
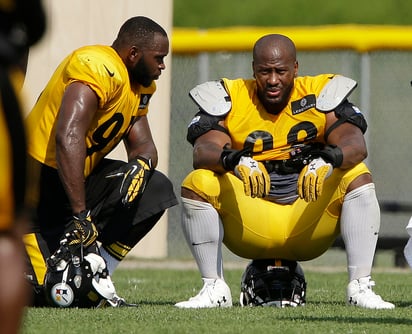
pixel 202 123
pixel 347 112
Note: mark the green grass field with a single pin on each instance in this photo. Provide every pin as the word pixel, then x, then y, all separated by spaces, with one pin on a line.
pixel 217 13
pixel 156 290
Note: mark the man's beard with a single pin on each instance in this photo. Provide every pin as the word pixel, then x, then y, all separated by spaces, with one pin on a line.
pixel 140 75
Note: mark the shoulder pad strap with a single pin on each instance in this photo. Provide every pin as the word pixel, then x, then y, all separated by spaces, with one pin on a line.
pixel 335 92
pixel 212 98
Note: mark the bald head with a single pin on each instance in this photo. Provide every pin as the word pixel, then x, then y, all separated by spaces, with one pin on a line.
pixel 274 46
pixel 274 68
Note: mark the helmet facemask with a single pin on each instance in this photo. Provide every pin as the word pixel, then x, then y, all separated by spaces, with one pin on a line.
pixel 74 280
pixel 270 283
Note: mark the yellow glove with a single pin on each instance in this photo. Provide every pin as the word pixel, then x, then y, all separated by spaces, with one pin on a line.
pixel 312 178
pixel 135 176
pixel 81 230
pixel 255 178
pixel 135 179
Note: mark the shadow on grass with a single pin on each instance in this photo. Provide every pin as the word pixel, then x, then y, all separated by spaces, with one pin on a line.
pixel 381 319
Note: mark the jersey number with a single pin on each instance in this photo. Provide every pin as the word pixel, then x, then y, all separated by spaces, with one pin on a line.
pixel 106 132
pixel 265 140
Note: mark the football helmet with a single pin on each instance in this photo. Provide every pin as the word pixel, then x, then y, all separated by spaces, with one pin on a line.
pixel 279 283
pixel 74 280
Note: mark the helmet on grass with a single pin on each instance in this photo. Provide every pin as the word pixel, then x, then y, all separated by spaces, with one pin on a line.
pixel 74 280
pixel 278 283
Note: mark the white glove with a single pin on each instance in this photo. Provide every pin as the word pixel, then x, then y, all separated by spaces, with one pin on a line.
pixel 312 178
pixel 255 178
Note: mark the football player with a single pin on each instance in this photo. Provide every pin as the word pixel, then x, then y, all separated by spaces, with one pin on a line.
pixel 98 97
pixel 279 174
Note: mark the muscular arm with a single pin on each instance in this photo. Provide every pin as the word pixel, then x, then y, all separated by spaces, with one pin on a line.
pixel 139 141
pixel 208 149
pixel 349 139
pixel 78 106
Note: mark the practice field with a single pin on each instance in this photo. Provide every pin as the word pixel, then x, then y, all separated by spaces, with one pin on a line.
pixel 157 286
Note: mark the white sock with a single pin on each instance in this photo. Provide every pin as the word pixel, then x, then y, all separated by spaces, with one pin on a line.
pixel 360 222
pixel 111 262
pixel 203 230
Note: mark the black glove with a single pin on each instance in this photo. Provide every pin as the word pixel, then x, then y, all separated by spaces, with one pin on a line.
pixel 81 230
pixel 230 158
pixel 330 153
pixel 135 175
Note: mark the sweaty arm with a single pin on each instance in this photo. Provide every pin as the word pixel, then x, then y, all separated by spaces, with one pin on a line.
pixel 208 148
pixel 139 141
pixel 349 139
pixel 346 148
pixel 78 106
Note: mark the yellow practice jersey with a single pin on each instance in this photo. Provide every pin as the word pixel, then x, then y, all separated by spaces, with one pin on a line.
pixel 273 135
pixel 101 68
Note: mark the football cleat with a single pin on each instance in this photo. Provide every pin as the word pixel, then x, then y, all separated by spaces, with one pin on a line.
pixel 359 293
pixel 116 301
pixel 215 293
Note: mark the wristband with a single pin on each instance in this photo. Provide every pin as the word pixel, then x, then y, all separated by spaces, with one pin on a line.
pixel 332 154
pixel 230 158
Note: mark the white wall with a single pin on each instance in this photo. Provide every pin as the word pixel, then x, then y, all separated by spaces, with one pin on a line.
pixel 75 23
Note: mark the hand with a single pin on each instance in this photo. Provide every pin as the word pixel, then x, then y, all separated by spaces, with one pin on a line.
pixel 81 230
pixel 255 178
pixel 135 174
pixel 312 178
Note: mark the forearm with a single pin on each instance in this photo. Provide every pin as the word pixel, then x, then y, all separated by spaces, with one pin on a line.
pixel 208 156
pixel 353 153
pixel 349 139
pixel 147 150
pixel 70 163
pixel 139 142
